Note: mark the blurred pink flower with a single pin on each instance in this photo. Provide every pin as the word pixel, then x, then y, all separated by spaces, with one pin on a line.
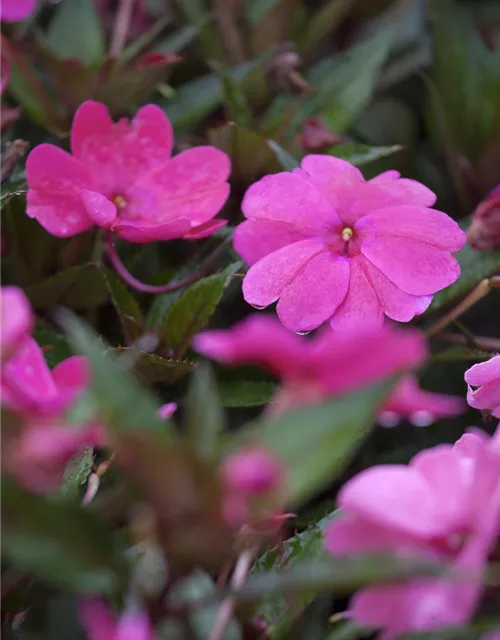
pixel 121 177
pixel 16 321
pixel 166 411
pixel 16 10
pixel 409 402
pixel 100 624
pixel 485 376
pixel 329 245
pixel 310 370
pixel 40 453
pixel 31 388
pixel 444 506
pixel 484 231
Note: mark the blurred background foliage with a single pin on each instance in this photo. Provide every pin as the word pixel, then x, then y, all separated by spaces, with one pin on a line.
pixel 405 84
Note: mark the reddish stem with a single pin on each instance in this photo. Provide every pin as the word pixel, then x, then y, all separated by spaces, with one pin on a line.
pixel 133 282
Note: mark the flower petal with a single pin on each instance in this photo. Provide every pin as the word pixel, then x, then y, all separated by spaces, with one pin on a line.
pixel 361 308
pixel 415 267
pixel 291 198
pixel 314 293
pixel 420 223
pixel 253 239
pixel 55 181
pixel 72 374
pixel 397 304
pixel 486 397
pixel 205 230
pixel 190 185
pixel 394 496
pixel 136 231
pixel 337 179
pixel 16 10
pixel 100 210
pixel 16 320
pixel 379 194
pixel 120 153
pixel 265 281
pixel 483 372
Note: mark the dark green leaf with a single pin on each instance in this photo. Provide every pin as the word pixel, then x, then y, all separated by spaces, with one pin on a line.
pixel 126 306
pixel 54 345
pixel 340 575
pixel 237 108
pixel 317 442
pixel 313 623
pixel 324 21
pixel 76 32
pixel 152 368
pixel 51 616
pixel 245 393
pixel 192 310
pixel 461 354
pixel 178 40
pixel 474 266
pixel 80 287
pixel 348 631
pixel 204 415
pixel 360 154
pixel 60 543
pixel 76 473
pixel 122 401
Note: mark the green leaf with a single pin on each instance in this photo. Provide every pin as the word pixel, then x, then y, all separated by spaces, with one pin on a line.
pixel 245 393
pixel 50 616
pixel 192 310
pixel 324 21
pixel 474 266
pixel 76 473
pixel 126 306
pixel 195 100
pixel 256 10
pixel 151 368
pixel 54 345
pixel 349 631
pixel 461 354
pixel 360 154
pixel 76 32
pixel 317 442
pixel 339 575
pixel 122 401
pixel 81 287
pixel 204 415
pixel 196 588
pixel 61 544
pixel 313 623
pixel 252 155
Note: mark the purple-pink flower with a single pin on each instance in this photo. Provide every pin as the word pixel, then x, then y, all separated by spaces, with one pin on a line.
pixel 16 10
pixel 329 245
pixel 485 376
pixel 409 402
pixel 311 370
pixel 29 387
pixel 444 506
pixel 121 177
pixel 100 624
pixel 16 321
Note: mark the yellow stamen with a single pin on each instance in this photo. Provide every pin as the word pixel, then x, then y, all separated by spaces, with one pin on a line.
pixel 120 202
pixel 347 234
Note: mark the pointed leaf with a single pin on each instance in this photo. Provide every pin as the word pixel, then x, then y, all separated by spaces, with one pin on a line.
pixel 81 287
pixel 126 306
pixel 360 154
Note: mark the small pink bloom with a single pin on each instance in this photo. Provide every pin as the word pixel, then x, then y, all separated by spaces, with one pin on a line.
pixel 485 376
pixel 326 365
pixel 16 10
pixel 328 245
pixel 100 624
pixel 484 231
pixel 409 402
pixel 252 471
pixel 122 177
pixel 30 387
pixel 16 320
pixel 316 136
pixel 39 455
pixel 166 411
pixel 444 506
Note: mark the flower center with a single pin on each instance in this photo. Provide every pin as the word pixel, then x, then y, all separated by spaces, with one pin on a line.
pixel 120 202
pixel 347 234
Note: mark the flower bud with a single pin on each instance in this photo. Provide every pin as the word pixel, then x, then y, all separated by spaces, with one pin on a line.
pixel 484 232
pixel 316 136
pixel 252 472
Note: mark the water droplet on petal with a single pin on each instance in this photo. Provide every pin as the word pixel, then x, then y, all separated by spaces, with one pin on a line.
pixel 422 418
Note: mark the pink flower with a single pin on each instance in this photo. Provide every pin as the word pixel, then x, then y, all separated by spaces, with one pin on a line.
pixel 329 245
pixel 409 402
pixel 485 376
pixel 100 624
pixel 40 453
pixel 166 411
pixel 484 231
pixel 121 177
pixel 16 321
pixel 444 506
pixel 16 10
pixel 310 370
pixel 30 387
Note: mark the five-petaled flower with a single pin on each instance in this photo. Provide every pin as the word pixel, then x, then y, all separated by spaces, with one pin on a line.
pixel 444 506
pixel 485 376
pixel 121 177
pixel 329 245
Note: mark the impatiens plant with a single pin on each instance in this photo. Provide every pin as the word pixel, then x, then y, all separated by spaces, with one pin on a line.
pixel 177 465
